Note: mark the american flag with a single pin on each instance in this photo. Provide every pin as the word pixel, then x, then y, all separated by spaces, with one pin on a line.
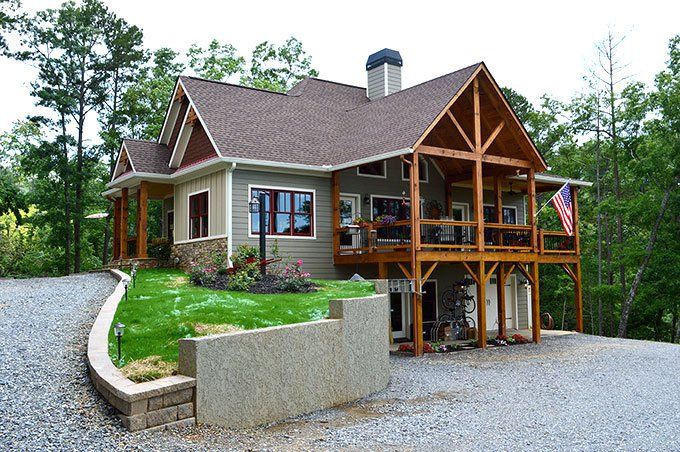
pixel 562 203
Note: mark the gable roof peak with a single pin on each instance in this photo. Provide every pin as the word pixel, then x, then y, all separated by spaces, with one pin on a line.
pixel 234 85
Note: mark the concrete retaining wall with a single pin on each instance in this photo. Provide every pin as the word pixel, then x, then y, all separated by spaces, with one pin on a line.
pixel 162 403
pixel 260 376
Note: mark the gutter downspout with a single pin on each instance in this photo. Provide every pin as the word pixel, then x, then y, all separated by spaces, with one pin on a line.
pixel 229 176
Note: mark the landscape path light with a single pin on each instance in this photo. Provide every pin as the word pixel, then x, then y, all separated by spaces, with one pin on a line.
pixel 118 330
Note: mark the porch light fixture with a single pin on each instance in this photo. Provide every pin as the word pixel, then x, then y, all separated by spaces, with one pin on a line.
pixel 118 330
pixel 256 205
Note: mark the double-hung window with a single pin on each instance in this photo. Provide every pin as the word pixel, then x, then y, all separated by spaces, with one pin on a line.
pixel 287 212
pixel 198 215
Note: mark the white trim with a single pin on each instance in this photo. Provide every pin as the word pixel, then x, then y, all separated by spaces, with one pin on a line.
pixel 550 179
pixel 427 171
pixel 229 182
pixel 385 156
pixel 171 163
pixel 167 113
pixel 357 199
pixel 189 195
pixel 120 153
pixel 466 209
pixel 384 176
pixel 438 168
pixel 385 79
pixel 273 187
pixel 201 239
pixel 173 114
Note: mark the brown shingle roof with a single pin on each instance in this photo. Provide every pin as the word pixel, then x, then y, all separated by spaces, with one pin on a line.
pixel 148 157
pixel 317 122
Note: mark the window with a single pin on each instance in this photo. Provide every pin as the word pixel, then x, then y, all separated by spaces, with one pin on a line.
pixel 198 215
pixel 373 169
pixel 509 215
pixel 286 212
pixel 423 170
pixel 397 207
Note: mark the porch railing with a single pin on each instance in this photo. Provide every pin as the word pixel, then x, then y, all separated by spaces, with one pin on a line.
pixel 375 237
pixel 555 242
pixel 448 234
pixel 507 237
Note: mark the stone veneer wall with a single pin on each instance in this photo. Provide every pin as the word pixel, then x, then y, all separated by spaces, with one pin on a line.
pixel 265 375
pixel 197 251
pixel 159 404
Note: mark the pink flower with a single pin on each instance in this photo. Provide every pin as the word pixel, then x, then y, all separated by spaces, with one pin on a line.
pixel 299 262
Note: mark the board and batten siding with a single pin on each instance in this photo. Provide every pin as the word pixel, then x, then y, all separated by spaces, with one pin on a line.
pixel 317 252
pixel 217 204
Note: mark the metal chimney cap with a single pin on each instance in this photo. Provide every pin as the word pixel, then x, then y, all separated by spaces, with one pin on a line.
pixel 388 56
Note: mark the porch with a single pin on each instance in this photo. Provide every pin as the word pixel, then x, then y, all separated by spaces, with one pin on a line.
pixel 131 241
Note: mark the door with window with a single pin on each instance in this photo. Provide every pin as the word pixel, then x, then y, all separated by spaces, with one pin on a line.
pixel 461 234
pixel 349 210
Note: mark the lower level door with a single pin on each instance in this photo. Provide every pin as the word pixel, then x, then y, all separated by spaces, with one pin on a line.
pixel 398 314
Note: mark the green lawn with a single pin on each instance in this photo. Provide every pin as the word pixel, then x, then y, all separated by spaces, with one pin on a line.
pixel 164 307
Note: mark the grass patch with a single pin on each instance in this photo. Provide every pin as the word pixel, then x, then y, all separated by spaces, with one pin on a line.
pixel 164 307
pixel 148 369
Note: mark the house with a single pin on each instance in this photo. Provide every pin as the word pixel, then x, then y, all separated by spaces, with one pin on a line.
pixel 447 158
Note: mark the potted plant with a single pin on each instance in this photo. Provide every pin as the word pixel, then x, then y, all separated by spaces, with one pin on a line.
pixel 386 220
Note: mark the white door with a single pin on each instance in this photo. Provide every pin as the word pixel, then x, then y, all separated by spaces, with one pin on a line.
pixel 349 210
pixel 398 314
pixel 491 302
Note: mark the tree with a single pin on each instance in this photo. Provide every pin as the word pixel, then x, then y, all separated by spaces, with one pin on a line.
pixel 278 68
pixel 7 19
pixel 217 62
pixel 70 47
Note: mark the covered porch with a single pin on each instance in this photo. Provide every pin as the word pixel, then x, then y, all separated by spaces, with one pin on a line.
pixel 131 241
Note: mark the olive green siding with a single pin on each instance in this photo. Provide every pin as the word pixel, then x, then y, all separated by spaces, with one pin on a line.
pixel 217 210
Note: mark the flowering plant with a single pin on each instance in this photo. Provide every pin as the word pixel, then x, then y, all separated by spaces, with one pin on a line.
pixel 359 221
pixel 386 220
pixel 519 339
pixel 202 275
pixel 295 279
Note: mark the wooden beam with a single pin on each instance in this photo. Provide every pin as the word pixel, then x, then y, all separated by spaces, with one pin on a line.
pixel 404 270
pixel 382 270
pixel 430 270
pixel 142 218
pixel 578 298
pixel 471 272
pixel 526 273
pixel 335 206
pixel 569 272
pixel 535 305
pixel 490 272
pixel 415 201
pixel 531 207
pixel 123 223
pixel 478 117
pixel 500 298
pixel 116 228
pixel 418 313
pixel 481 306
pixel 466 155
pixel 508 271
pixel 498 204
pixel 478 204
pixel 460 130
pixel 493 136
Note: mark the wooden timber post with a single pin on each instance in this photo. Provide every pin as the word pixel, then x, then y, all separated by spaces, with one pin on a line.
pixel 481 305
pixel 335 204
pixel 142 220
pixel 578 289
pixel 500 295
pixel 535 305
pixel 477 181
pixel 417 298
pixel 382 270
pixel 123 223
pixel 531 207
pixel 116 228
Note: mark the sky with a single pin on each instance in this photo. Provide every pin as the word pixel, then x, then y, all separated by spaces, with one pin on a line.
pixel 533 47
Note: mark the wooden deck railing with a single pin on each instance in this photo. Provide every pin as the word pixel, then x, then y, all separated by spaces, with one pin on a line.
pixel 448 234
pixel 507 237
pixel 555 242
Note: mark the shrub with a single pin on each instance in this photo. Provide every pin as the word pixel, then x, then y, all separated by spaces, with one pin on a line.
pixel 295 279
pixel 245 254
pixel 160 249
pixel 244 277
pixel 202 275
pixel 519 339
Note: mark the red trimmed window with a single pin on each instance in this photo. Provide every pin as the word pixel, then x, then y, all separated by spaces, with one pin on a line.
pixel 198 215
pixel 286 212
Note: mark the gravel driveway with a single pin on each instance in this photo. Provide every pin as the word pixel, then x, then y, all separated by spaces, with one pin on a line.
pixel 572 392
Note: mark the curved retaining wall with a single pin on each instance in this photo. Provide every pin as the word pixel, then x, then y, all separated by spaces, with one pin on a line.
pixel 265 375
pixel 159 404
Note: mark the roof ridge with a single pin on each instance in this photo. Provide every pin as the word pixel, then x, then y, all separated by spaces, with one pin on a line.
pixel 415 86
pixel 231 84
pixel 142 141
pixel 336 83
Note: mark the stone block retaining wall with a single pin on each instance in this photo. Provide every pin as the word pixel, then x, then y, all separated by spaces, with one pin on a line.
pixel 159 404
pixel 265 375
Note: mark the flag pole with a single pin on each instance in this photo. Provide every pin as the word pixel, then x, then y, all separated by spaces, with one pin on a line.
pixel 548 202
